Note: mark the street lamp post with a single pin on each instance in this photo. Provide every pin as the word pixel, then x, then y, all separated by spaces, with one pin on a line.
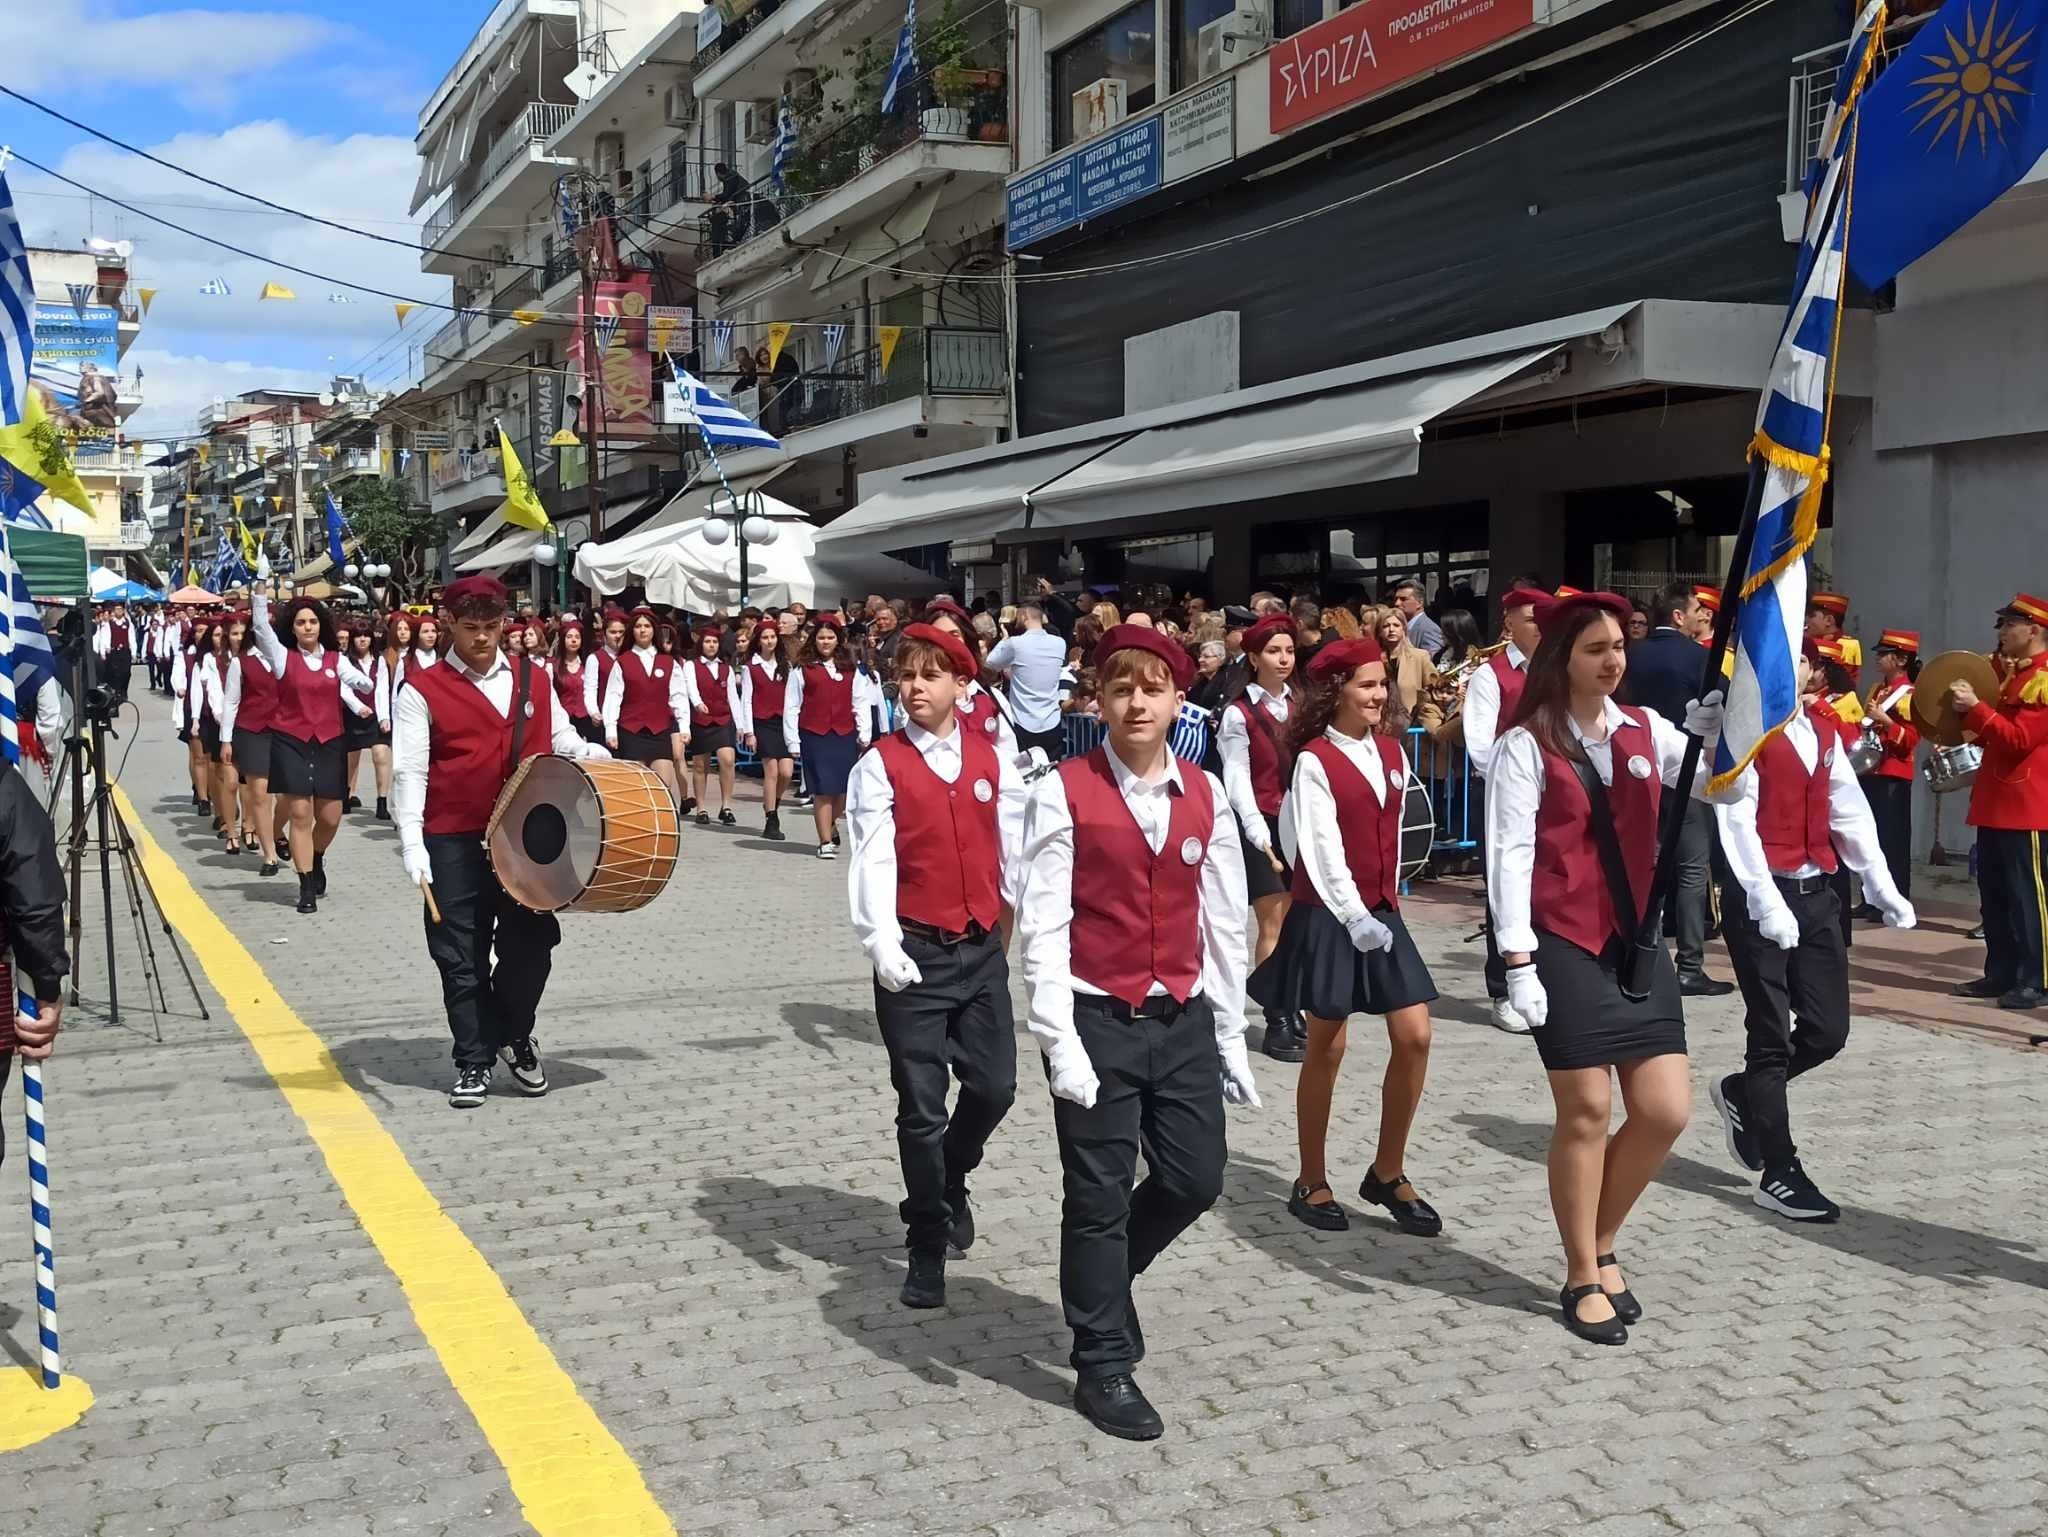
pixel 555 557
pixel 743 520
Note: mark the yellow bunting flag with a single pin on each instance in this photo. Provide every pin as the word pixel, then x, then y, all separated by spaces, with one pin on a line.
pixel 522 502
pixel 404 310
pixel 148 295
pixel 277 504
pixel 526 317
pixel 434 461
pixel 887 337
pixel 326 450
pixel 248 540
pixel 204 451
pixel 35 447
pixel 275 291
pixel 238 505
pixel 778 333
pixel 565 439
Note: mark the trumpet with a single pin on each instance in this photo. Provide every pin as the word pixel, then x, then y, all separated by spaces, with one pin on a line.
pixel 1447 688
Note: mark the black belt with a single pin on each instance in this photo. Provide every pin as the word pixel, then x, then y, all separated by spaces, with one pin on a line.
pixel 1803 885
pixel 931 933
pixel 1161 1006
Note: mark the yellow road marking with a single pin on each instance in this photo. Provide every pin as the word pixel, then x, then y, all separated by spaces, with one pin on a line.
pixel 573 1479
pixel 30 1412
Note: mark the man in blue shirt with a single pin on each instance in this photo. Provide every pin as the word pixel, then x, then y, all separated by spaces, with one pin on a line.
pixel 1032 662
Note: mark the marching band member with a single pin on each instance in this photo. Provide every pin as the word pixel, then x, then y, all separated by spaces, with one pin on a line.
pixel 115 642
pixel 250 707
pixel 185 690
pixel 763 686
pixel 1701 626
pixel 1133 918
pixel 214 665
pixel 1344 948
pixel 1257 756
pixel 1491 699
pixel 1796 816
pixel 833 721
pixel 1827 618
pixel 369 733
pixel 1889 787
pixel 938 821
pixel 572 683
pixel 601 695
pixel 1828 697
pixel 712 687
pixel 460 731
pixel 2009 808
pixel 1574 772
pixel 651 705
pixel 984 713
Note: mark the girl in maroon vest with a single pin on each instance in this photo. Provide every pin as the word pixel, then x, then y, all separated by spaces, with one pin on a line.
pixel 978 706
pixel 370 733
pixel 572 687
pixel 1132 919
pixel 1563 932
pixel 763 685
pixel 938 818
pixel 1344 949
pixel 212 669
pixel 1253 742
pixel 653 709
pixel 245 744
pixel 317 686
pixel 426 647
pixel 397 642
pixel 601 679
pixel 833 725
pixel 185 689
pixel 714 694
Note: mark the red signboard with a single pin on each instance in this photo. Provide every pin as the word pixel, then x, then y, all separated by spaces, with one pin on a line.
pixel 625 370
pixel 1378 43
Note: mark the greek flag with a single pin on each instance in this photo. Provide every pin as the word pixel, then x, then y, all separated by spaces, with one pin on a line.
pixel 785 142
pixel 721 341
pixel 336 523
pixel 1189 738
pixel 17 312
pixel 718 419
pixel 25 659
pixel 18 493
pixel 1792 440
pixel 903 64
pixel 217 288
pixel 835 342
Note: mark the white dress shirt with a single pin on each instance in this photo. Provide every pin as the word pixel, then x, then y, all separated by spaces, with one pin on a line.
pixel 720 672
pixel 605 710
pixel 745 714
pixel 353 681
pixel 1850 827
pixel 645 658
pixel 413 726
pixel 213 686
pixel 1481 712
pixel 1234 747
pixel 1514 789
pixel 871 810
pixel 1310 838
pixel 867 697
pixel 1045 906
pixel 1003 738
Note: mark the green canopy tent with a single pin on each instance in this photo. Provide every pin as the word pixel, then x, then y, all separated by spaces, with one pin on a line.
pixel 53 564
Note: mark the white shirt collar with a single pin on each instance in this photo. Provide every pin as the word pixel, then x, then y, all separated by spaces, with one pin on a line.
pixel 645 653
pixel 1516 660
pixel 929 742
pixel 714 662
pixel 498 664
pixel 1130 784
pixel 1611 717
pixel 1259 695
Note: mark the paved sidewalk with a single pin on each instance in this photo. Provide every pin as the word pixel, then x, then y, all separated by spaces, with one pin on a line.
pixel 699 1222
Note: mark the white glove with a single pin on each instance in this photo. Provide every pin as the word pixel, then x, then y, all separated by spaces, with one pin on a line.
pixel 262 565
pixel 417 866
pixel 1238 1088
pixel 896 971
pixel 1526 994
pixel 1073 1075
pixel 1703 716
pixel 1779 926
pixel 1898 912
pixel 1369 934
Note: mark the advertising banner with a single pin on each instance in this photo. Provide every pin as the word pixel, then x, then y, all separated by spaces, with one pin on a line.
pixel 543 419
pixel 1375 44
pixel 624 371
pixel 77 365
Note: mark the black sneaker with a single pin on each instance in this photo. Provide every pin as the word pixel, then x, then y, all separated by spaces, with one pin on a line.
pixel 471 1085
pixel 961 1235
pixel 524 1063
pixel 1731 1100
pixel 1789 1193
pixel 925 1285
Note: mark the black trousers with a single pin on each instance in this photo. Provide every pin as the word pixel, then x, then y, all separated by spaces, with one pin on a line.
pixel 488 1007
pixel 1891 807
pixel 1160 1080
pixel 2012 881
pixel 116 668
pixel 955 1024
pixel 1807 986
pixel 1496 968
pixel 1695 880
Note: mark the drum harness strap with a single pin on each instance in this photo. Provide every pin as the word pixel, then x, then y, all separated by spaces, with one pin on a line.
pixel 519 699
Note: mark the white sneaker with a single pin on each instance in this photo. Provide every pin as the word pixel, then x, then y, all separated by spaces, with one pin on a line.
pixel 1505 1018
pixel 826 851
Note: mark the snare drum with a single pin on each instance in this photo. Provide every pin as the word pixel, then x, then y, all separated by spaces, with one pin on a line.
pixel 1951 768
pixel 1418 828
pixel 581 835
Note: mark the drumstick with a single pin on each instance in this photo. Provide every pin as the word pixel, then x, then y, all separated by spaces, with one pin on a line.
pixel 433 907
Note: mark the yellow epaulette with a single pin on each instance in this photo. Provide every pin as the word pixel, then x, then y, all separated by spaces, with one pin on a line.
pixel 2035 689
pixel 1848 707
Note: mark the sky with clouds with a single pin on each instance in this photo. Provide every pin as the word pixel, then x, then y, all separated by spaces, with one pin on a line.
pixel 313 105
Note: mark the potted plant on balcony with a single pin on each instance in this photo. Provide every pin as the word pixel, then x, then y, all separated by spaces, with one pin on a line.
pixel 943 49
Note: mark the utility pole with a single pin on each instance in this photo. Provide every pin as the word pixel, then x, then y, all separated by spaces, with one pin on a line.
pixel 298 503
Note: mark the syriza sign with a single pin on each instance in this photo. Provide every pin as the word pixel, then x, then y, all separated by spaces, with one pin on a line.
pixel 1362 51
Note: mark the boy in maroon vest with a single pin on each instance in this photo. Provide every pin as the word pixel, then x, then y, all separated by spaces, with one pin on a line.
pixel 452 749
pixel 937 816
pixel 1133 917
pixel 1800 814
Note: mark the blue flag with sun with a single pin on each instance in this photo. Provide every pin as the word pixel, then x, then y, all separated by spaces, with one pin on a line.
pixel 1954 122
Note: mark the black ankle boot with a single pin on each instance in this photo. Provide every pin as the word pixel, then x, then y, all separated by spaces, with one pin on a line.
pixel 383 809
pixel 307 902
pixel 319 876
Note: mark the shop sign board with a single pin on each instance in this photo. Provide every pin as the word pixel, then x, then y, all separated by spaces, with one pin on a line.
pixel 1376 44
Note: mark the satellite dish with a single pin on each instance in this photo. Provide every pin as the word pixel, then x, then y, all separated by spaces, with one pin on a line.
pixel 583 81
pixel 327 397
pixel 124 249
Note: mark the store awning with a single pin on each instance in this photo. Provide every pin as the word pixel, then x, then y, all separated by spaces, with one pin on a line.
pixel 966 496
pixel 477 537
pixel 695 500
pixel 515 547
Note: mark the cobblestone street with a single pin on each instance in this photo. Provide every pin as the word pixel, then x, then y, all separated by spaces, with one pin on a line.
pixel 698 1222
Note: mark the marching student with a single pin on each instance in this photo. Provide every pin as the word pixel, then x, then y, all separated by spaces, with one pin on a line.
pixel 397 642
pixel 763 687
pixel 460 731
pixel 369 733
pixel 598 680
pixel 669 642
pixel 1491 699
pixel 938 822
pixel 648 708
pixel 426 648
pixel 214 665
pixel 1344 948
pixel 713 689
pixel 983 711
pixel 1258 759
pixel 1573 789
pixel 1133 919
pixel 834 721
pixel 572 685
pixel 1889 786
pixel 185 690
pixel 250 707
pixel 1798 814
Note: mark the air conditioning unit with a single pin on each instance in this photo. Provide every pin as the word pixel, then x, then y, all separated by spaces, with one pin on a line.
pixel 1097 106
pixel 760 122
pixel 1230 40
pixel 679 107
pixel 501 256
pixel 476 277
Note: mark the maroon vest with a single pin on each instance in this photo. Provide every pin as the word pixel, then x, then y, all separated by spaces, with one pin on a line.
pixel 1137 914
pixel 645 707
pixel 569 690
pixel 1371 831
pixel 469 747
pixel 1272 763
pixel 258 706
pixel 714 704
pixel 1512 679
pixel 980 715
pixel 309 702
pixel 1792 804
pixel 948 852
pixel 827 708
pixel 768 693
pixel 1568 892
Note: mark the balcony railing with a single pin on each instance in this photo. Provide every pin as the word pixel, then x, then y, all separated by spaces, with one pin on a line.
pixel 930 360
pixel 535 125
pixel 1813 88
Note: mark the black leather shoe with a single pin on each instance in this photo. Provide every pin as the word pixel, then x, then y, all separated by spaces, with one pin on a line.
pixel 925 1286
pixel 1697 984
pixel 961 1234
pixel 703 819
pixel 1977 933
pixel 1983 987
pixel 1115 1406
pixel 1327 1215
pixel 268 867
pixel 1415 1216
pixel 1626 1308
pixel 1868 913
pixel 1286 1037
pixel 2023 998
pixel 1609 1331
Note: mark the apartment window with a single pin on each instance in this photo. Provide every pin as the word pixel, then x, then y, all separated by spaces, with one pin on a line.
pixel 1188 18
pixel 678 171
pixel 643 189
pixel 1292 16
pixel 728 132
pixel 1125 48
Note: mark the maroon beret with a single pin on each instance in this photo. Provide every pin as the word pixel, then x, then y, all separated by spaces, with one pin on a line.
pixel 1344 658
pixel 1254 639
pixel 1139 637
pixel 469 588
pixel 957 654
pixel 1520 597
pixel 1551 612
pixel 951 610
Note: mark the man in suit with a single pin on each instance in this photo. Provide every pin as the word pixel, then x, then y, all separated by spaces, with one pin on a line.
pixel 1663 673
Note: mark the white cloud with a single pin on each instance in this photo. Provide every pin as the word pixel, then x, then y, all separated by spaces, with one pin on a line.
pixel 196 52
pixel 177 387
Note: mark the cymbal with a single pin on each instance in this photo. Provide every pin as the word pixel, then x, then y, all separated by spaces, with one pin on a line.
pixel 1933 712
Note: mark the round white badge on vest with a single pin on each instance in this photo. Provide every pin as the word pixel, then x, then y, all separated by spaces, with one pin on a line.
pixel 330 672
pixel 1639 766
pixel 1191 851
pixel 982 791
pixel 529 709
pixel 988 724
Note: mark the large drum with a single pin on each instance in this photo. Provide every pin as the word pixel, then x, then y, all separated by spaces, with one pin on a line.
pixel 583 836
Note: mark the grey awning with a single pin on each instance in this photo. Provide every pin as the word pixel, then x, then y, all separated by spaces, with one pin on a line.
pixel 515 547
pixel 964 500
